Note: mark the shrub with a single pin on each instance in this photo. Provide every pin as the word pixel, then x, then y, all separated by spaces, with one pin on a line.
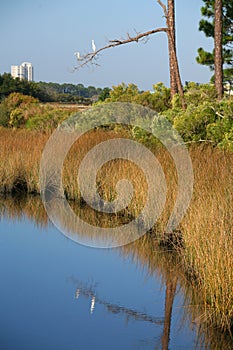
pixel 221 131
pixel 13 109
pixel 192 124
pixel 4 114
pixel 123 93
pixel 159 99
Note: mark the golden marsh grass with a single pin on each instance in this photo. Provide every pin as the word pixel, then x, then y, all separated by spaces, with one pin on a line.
pixel 207 235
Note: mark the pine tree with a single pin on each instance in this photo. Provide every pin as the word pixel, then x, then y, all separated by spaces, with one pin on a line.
pixel 206 25
pixel 218 59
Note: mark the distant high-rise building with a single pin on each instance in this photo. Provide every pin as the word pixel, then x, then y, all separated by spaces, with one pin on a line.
pixel 24 71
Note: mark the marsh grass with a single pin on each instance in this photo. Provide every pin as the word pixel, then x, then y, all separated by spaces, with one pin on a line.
pixel 20 153
pixel 207 237
pixel 207 232
pixel 147 254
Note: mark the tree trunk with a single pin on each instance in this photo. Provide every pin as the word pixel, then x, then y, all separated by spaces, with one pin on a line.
pixel 175 80
pixel 171 42
pixel 218 59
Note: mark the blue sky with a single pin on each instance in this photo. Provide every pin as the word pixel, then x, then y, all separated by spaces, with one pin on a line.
pixel 48 32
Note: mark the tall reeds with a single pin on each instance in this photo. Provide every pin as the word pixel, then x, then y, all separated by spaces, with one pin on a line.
pixel 207 236
pixel 208 233
pixel 20 153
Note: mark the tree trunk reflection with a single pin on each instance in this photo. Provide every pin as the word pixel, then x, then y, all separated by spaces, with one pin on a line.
pixel 171 284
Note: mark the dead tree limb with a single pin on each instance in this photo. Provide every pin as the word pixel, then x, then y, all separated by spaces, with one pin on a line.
pixel 169 13
pixel 163 7
pixel 89 57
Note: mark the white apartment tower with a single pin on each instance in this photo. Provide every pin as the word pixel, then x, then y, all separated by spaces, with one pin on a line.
pixel 24 71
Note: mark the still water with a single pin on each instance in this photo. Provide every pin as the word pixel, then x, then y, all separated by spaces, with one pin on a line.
pixel 57 294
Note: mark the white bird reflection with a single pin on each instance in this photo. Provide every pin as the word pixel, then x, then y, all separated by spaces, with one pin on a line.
pixel 88 292
pixel 92 305
pixel 77 293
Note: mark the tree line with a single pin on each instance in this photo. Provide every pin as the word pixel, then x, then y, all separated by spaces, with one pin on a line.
pixel 50 92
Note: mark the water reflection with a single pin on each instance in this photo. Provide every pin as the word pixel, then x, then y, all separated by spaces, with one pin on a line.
pixel 90 293
pixel 146 254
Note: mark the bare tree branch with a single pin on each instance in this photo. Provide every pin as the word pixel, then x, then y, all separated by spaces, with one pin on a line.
pixel 91 56
pixel 175 79
pixel 163 7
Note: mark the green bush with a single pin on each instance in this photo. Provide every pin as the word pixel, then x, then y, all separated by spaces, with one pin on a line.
pixel 47 118
pixel 221 131
pixel 17 118
pixel 122 93
pixel 205 118
pixel 19 111
pixel 158 100
pixel 4 114
pixel 192 123
pixel 196 94
pixel 14 109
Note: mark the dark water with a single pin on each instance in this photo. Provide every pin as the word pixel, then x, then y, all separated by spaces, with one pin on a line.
pixel 57 294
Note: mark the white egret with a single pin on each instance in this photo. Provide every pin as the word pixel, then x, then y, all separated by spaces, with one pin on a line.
pixel 93 45
pixel 77 54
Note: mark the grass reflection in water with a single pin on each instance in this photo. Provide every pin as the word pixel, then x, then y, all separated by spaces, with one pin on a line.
pixel 147 253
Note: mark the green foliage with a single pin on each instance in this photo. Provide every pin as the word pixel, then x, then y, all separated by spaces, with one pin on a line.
pixel 48 92
pixel 192 124
pixel 17 118
pixel 105 93
pixel 47 118
pixel 221 131
pixel 9 85
pixel 205 58
pixel 123 93
pixel 70 93
pixel 206 25
pixel 144 137
pixel 227 80
pixel 158 100
pixel 19 100
pixel 196 94
pixel 19 111
pixel 4 114
pixel 14 109
pixel 205 118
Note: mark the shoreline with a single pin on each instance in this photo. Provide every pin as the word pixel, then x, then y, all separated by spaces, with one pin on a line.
pixel 207 251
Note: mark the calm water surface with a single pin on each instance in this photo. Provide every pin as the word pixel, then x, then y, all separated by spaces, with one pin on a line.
pixel 57 294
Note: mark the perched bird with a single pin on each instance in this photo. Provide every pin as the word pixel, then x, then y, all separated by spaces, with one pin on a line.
pixel 93 45
pixel 77 54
